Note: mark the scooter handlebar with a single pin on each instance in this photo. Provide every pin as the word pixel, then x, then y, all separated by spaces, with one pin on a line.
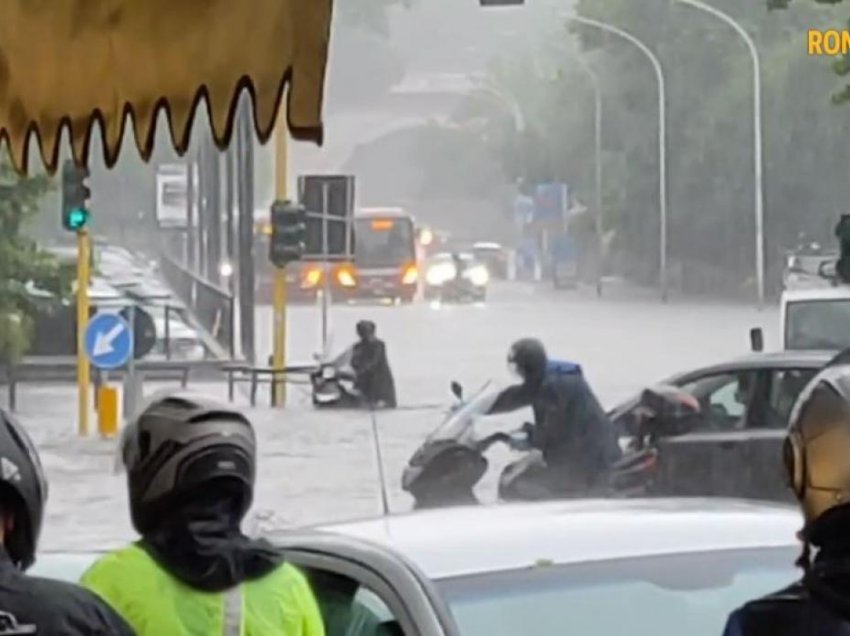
pixel 517 440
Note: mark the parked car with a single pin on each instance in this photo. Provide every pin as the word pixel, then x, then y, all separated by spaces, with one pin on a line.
pixel 600 567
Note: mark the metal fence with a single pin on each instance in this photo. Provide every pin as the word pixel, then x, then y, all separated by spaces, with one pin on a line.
pixel 212 305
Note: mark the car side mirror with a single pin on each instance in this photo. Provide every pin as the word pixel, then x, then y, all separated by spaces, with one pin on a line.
pixel 756 339
pixel 457 389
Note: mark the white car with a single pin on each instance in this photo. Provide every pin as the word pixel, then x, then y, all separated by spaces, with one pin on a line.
pixel 664 567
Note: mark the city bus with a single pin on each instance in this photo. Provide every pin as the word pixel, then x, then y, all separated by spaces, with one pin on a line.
pixel 386 258
pixel 385 267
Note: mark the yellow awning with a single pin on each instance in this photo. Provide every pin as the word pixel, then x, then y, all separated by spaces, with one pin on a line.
pixel 83 60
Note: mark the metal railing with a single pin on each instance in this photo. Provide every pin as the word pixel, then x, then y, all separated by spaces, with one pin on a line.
pixel 212 305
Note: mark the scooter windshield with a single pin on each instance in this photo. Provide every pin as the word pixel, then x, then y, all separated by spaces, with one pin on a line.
pixel 459 424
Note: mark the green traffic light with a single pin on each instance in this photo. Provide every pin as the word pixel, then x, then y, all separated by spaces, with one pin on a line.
pixel 78 218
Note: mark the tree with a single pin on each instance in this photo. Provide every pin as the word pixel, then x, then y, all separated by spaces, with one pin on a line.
pixel 23 264
pixel 709 124
pixel 841 66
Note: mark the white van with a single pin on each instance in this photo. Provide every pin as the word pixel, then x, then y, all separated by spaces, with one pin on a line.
pixel 816 318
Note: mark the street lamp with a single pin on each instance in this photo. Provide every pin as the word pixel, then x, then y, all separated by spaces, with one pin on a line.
pixel 662 136
pixel 759 185
pixel 509 102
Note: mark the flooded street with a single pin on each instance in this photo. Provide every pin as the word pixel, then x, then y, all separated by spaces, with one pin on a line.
pixel 320 466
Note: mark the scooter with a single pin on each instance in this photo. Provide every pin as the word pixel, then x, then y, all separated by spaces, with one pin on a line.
pixel 332 384
pixel 445 469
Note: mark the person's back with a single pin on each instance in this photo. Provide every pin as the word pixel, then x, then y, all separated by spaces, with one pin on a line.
pixel 34 605
pixel 576 435
pixel 190 470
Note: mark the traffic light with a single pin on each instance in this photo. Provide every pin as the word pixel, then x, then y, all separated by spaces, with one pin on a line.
pixel 842 231
pixel 75 197
pixel 289 233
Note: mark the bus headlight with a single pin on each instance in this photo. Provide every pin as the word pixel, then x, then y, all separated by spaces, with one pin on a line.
pixel 439 273
pixel 478 275
pixel 345 276
pixel 410 276
pixel 312 278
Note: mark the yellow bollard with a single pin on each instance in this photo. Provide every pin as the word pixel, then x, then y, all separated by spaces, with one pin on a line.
pixel 107 411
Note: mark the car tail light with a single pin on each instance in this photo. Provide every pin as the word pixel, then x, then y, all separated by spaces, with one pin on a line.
pixel 346 276
pixel 312 278
pixel 410 275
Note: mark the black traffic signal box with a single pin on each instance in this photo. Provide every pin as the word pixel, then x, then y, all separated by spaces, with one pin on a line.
pixel 75 197
pixel 289 233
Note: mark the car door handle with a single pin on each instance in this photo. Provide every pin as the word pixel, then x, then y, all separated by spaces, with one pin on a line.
pixel 727 445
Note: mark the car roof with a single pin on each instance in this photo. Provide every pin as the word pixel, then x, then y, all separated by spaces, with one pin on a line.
pixel 790 359
pixel 841 292
pixel 473 540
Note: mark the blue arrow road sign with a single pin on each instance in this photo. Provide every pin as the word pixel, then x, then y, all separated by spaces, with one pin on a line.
pixel 109 341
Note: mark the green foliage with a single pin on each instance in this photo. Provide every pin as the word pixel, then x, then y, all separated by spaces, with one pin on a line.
pixel 841 65
pixel 709 128
pixel 22 262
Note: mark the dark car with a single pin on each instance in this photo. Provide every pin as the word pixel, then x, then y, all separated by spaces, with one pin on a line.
pixel 736 447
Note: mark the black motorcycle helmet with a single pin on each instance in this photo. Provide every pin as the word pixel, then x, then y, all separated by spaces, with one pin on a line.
pixel 366 329
pixel 528 358
pixel 23 490
pixel 179 444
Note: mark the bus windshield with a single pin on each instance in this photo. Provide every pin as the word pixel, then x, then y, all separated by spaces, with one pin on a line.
pixel 384 242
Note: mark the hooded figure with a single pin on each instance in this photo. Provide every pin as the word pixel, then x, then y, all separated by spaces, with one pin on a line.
pixel 817 462
pixel 373 377
pixel 577 440
pixel 191 464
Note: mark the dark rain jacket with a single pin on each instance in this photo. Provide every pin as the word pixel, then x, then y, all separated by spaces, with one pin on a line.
pixel 373 377
pixel 33 605
pixel 793 611
pixel 571 428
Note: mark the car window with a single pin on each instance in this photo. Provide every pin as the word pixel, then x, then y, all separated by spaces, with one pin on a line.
pixel 724 398
pixel 350 608
pixel 785 386
pixel 659 595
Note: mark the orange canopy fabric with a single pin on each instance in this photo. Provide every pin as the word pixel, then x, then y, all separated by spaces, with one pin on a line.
pixel 78 61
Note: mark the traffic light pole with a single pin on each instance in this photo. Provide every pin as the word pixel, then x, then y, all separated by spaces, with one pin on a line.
pixel 83 378
pixel 279 299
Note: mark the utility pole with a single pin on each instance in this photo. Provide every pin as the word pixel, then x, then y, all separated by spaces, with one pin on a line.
pixel 281 169
pixel 191 195
pixel 203 210
pixel 214 216
pixel 75 218
pixel 245 177
pixel 229 243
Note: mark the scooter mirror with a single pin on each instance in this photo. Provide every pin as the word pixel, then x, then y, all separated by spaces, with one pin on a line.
pixel 457 389
pixel 756 339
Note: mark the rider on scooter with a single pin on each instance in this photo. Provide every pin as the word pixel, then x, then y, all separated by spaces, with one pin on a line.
pixel 577 440
pixel 372 375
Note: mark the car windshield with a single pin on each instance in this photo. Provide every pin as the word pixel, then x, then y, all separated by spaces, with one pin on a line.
pixel 818 324
pixel 657 595
pixel 384 242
